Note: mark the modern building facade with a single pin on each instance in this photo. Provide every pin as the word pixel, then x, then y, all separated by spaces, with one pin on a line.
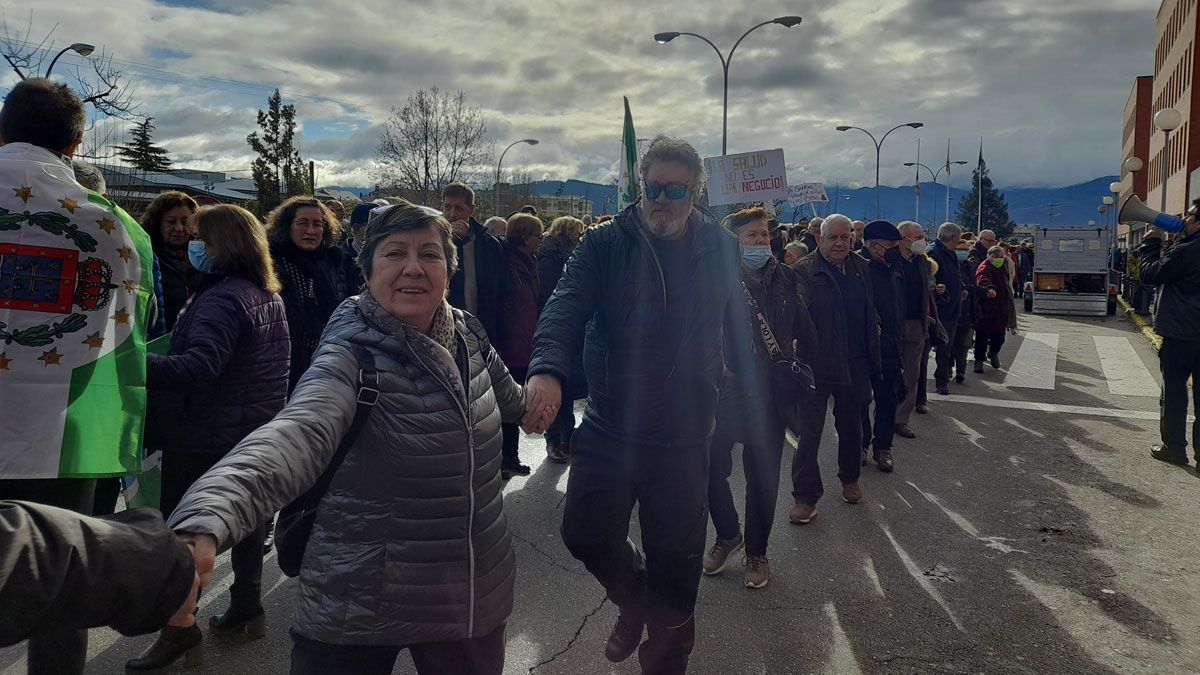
pixel 1174 68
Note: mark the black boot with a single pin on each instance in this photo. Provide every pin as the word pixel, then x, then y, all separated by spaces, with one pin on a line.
pixel 171 644
pixel 979 366
pixel 245 613
pixel 626 636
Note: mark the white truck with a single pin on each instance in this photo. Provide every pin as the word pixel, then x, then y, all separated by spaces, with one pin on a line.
pixel 1070 272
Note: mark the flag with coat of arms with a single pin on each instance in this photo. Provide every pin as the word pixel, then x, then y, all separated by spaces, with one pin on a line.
pixel 75 287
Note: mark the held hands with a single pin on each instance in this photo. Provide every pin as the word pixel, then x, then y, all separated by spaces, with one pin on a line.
pixel 543 395
pixel 991 293
pixel 204 554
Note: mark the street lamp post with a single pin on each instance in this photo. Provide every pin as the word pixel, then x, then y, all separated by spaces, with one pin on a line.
pixel 935 175
pixel 496 189
pixel 664 38
pixel 1167 120
pixel 1115 188
pixel 878 148
pixel 81 48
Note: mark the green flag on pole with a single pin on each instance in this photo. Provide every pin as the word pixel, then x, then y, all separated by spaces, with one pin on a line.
pixel 627 187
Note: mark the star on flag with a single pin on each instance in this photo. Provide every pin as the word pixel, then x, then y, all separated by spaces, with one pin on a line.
pixel 129 285
pixel 107 225
pixel 125 252
pixel 121 317
pixel 4 360
pixel 51 358
pixel 69 204
pixel 94 341
pixel 24 192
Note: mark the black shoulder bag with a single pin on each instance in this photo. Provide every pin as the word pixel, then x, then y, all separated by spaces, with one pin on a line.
pixel 296 519
pixel 791 379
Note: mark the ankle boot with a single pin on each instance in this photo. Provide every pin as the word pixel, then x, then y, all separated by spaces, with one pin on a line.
pixel 245 613
pixel 172 643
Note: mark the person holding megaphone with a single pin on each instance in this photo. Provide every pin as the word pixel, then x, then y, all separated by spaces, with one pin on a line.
pixel 1176 271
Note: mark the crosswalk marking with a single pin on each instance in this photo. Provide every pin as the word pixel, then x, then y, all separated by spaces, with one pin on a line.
pixel 1123 368
pixel 1033 368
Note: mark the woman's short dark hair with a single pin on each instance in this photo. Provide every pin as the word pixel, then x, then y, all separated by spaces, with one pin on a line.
pixel 279 221
pixel 405 218
pixel 42 113
pixel 152 217
pixel 523 226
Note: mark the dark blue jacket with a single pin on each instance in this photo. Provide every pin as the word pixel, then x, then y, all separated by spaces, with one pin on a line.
pixel 949 304
pixel 1177 271
pixel 642 389
pixel 491 279
pixel 226 373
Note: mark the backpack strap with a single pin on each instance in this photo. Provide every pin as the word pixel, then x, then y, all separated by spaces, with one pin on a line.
pixel 367 398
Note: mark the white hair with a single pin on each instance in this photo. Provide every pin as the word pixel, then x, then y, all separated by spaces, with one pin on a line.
pixel 907 224
pixel 797 246
pixel 948 231
pixel 983 232
pixel 834 218
pixel 89 176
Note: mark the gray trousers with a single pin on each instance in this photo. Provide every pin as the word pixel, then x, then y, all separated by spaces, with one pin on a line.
pixel 915 335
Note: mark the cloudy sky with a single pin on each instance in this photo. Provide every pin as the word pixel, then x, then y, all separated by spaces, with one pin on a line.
pixel 1043 81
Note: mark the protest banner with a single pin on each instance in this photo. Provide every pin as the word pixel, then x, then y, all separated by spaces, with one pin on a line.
pixel 747 177
pixel 807 193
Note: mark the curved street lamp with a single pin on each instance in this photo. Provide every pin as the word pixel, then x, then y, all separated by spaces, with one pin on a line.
pixel 664 38
pixel 878 147
pixel 935 175
pixel 81 48
pixel 496 189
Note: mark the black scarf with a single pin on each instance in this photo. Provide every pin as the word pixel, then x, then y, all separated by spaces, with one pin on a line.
pixel 310 278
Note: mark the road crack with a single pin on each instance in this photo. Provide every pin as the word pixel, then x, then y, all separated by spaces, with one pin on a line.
pixel 547 555
pixel 571 642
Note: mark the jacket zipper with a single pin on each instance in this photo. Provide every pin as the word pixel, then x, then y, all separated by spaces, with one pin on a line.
pixel 470 485
pixel 662 278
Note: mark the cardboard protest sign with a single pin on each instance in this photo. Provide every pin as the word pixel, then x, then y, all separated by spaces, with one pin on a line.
pixel 747 177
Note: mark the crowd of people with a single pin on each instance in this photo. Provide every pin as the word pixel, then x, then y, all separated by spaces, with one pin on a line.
pixel 394 355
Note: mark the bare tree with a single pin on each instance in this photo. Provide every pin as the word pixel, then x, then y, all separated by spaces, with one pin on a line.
pixel 435 139
pixel 100 83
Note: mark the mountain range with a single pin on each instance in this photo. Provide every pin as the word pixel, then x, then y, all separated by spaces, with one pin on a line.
pixel 1070 205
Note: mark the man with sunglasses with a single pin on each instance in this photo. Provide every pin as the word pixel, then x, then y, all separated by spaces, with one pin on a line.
pixel 662 282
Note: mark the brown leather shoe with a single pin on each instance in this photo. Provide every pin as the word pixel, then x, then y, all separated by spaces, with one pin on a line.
pixel 801 514
pixel 851 493
pixel 555 453
pixel 903 431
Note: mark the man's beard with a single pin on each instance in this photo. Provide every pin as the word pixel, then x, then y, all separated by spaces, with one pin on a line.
pixel 671 229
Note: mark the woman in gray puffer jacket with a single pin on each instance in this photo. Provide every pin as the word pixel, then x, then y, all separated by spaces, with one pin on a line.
pixel 410 548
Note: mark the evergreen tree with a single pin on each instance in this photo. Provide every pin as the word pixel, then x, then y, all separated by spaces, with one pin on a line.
pixel 142 153
pixel 279 172
pixel 995 208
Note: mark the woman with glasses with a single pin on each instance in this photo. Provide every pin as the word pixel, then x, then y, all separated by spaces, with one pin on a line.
pixel 522 241
pixel 302 232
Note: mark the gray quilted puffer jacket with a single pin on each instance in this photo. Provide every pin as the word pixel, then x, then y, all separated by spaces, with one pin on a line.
pixel 410 543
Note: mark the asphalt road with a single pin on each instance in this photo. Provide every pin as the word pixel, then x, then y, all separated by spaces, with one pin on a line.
pixel 1025 530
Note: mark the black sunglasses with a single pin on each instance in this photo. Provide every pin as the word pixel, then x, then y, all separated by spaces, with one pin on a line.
pixel 674 192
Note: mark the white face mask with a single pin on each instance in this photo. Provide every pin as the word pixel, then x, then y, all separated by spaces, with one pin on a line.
pixel 919 247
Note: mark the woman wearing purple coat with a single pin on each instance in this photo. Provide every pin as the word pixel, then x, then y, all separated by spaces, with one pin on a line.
pixel 225 375
pixel 996 312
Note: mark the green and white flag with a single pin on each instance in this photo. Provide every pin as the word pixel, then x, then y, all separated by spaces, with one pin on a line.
pixel 75 287
pixel 627 184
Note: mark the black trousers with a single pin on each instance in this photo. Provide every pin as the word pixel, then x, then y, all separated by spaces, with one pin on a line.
pixel 179 471
pixel 945 355
pixel 987 343
pixel 510 432
pixel 669 485
pixel 760 461
pixel 108 490
pixel 57 652
pixel 849 403
pixel 1179 360
pixel 964 337
pixel 563 426
pixel 887 398
pixel 482 655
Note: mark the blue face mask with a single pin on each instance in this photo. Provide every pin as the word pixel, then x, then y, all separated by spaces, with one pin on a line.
pixel 199 257
pixel 961 255
pixel 755 257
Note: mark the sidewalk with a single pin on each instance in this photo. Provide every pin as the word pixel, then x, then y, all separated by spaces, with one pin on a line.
pixel 1139 321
